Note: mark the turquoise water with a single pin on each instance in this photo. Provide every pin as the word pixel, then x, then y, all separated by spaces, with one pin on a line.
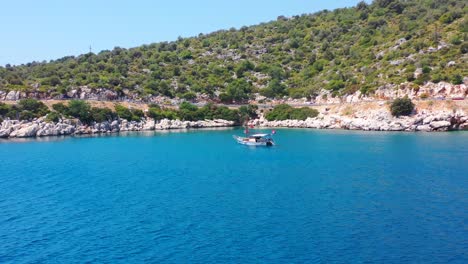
pixel 198 197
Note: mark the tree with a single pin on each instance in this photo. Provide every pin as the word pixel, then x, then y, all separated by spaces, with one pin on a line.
pixel 457 79
pixel 249 111
pixel 155 112
pixel 60 108
pixel 4 109
pixel 402 107
pixel 275 89
pixel 102 114
pixel 238 90
pixel 384 3
pixel 243 67
pixel 447 18
pixel 396 7
pixel 34 107
pixel 464 48
pixel 53 117
pixel 285 112
pixel 127 114
pixel 362 5
pixel 188 112
pixel 81 110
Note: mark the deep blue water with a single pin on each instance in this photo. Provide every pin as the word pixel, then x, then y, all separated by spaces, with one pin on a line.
pixel 198 197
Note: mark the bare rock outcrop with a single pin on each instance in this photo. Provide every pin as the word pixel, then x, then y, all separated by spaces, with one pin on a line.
pixel 379 120
pixel 41 128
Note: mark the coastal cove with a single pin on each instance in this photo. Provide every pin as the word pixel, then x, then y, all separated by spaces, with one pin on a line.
pixel 318 196
pixel 234 132
pixel 370 116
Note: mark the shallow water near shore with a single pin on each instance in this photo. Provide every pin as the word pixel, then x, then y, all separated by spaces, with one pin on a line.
pixel 197 196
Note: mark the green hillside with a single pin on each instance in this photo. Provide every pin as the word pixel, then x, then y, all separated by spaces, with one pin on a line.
pixel 344 50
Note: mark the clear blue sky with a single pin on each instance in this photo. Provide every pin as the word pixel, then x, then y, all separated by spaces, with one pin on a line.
pixel 36 30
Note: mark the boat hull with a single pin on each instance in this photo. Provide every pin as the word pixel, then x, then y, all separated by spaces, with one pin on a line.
pixel 245 141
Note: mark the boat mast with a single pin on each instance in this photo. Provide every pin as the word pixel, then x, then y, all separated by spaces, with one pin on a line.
pixel 246 124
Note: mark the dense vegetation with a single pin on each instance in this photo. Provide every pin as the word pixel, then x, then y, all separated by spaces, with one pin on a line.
pixel 402 107
pixel 28 109
pixel 344 50
pixel 285 112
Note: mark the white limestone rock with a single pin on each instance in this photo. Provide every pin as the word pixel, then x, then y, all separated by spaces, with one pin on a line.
pixel 27 131
pixel 13 96
pixel 440 124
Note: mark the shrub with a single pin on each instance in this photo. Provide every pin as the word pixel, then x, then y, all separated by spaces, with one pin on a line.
pixel 456 40
pixel 34 107
pixel 223 112
pixel 303 113
pixel 123 112
pixel 13 112
pixel 279 112
pixel 249 111
pixel 128 114
pixel 81 110
pixel 285 112
pixel 26 115
pixel 26 109
pixel 53 117
pixel 4 109
pixel 426 69
pixel 60 108
pixel 102 114
pixel 238 90
pixel 402 107
pixel 275 89
pixel 447 18
pixel 188 96
pixel 424 96
pixel 188 112
pixel 155 112
pixel 457 79
pixel 137 114
pixel 464 48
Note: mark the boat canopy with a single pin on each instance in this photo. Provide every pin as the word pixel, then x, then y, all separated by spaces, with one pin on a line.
pixel 260 135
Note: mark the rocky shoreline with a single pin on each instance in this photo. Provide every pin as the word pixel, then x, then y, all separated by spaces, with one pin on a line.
pixel 41 128
pixel 377 120
pixel 367 119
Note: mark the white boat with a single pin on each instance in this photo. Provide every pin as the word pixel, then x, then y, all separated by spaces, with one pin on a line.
pixel 256 140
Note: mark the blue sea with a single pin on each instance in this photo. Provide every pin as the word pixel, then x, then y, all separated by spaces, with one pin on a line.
pixel 198 197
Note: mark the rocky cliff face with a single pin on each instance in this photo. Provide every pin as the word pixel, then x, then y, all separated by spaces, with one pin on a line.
pixel 41 128
pixel 441 90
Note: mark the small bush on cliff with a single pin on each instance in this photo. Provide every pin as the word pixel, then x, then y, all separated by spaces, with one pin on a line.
pixel 285 112
pixel 402 107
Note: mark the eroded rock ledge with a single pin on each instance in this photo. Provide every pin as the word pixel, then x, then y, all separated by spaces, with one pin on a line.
pixel 380 120
pixel 41 128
